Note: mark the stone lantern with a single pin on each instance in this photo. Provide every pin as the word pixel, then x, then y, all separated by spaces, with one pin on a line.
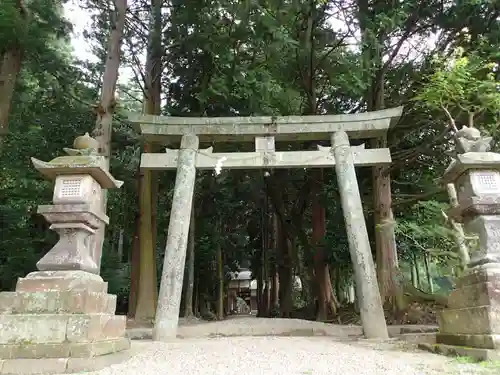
pixel 76 213
pixel 471 323
pixel 61 318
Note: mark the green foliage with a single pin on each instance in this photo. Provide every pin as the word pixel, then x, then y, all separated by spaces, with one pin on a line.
pixel 462 83
pixel 423 231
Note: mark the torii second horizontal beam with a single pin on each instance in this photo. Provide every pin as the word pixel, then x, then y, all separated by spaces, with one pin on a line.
pixel 266 160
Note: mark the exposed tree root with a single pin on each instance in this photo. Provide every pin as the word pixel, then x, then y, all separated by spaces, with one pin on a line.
pixel 413 294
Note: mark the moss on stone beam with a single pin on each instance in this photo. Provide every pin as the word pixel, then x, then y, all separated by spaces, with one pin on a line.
pixel 167 130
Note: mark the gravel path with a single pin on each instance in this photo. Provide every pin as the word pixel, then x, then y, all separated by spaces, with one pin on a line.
pixel 282 356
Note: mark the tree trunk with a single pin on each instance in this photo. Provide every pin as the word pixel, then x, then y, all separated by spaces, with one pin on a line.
pixel 147 289
pixel 285 273
pixel 188 296
pixel 148 286
pixel 417 272
pixel 318 233
pixel 355 297
pixel 414 274
pixel 154 70
pixel 10 66
pixel 374 74
pixel 428 273
pixel 458 231
pixel 106 107
pixel 264 273
pixel 338 285
pixel 351 293
pixel 386 254
pixel 325 295
pixel 154 211
pixel 274 297
pixel 134 271
pixel 259 294
pixel 265 292
pixel 323 286
pixel 119 249
pixel 332 301
pixel 196 292
pixel 220 278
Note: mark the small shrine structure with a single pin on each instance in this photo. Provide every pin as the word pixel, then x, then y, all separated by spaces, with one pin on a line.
pixel 242 285
pixel 188 134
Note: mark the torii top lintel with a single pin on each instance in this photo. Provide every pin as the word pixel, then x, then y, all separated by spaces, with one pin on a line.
pixel 167 129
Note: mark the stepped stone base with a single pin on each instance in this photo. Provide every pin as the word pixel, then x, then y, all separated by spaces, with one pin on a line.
pixel 472 322
pixel 58 322
pixel 475 341
pixel 60 365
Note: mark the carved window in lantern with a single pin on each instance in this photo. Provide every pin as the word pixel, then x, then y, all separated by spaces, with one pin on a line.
pixel 486 182
pixel 71 188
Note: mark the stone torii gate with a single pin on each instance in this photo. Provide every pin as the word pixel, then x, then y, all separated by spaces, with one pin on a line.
pixel 187 133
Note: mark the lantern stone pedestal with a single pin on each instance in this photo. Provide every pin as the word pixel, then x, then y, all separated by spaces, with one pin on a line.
pixel 470 326
pixel 61 318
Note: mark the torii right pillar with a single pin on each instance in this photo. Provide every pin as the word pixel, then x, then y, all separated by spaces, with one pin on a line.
pixel 470 326
pixel 370 303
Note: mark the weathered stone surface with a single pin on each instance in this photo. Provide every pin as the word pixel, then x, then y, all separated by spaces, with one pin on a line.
pixel 80 212
pixel 471 323
pixel 477 183
pixel 473 206
pixel 259 160
pixel 483 274
pixel 47 366
pixel 34 351
pixel 86 328
pixel 71 251
pixel 471 160
pixel 489 341
pixel 34 366
pixel 56 302
pixel 478 294
pixel 77 212
pixel 93 165
pixel 170 129
pixel 372 313
pixel 473 317
pixel 478 354
pixel 413 329
pixel 63 350
pixel 487 228
pixel 58 328
pixel 61 281
pixel 32 328
pixel 472 320
pixel 417 338
pixel 169 298
pixel 98 348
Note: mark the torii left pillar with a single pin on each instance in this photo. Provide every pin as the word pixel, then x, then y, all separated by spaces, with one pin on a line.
pixel 169 299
